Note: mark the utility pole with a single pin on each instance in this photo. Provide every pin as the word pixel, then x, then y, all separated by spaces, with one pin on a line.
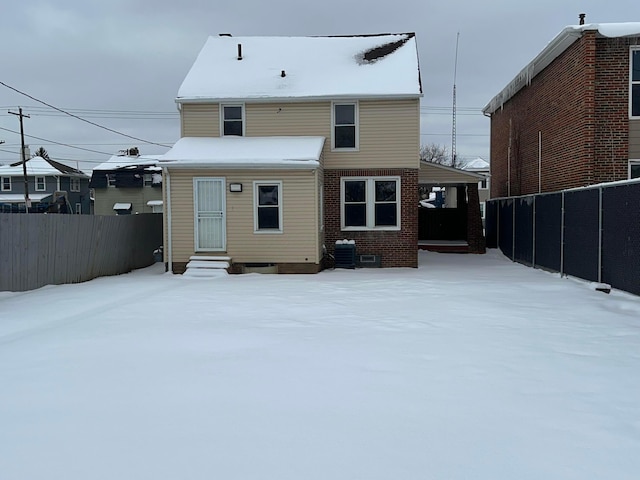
pixel 27 201
pixel 454 162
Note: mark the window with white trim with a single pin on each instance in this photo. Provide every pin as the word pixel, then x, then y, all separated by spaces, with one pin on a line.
pixel 267 207
pixel 6 184
pixel 232 120
pixel 370 203
pixel 344 119
pixel 74 184
pixel 41 184
pixel 634 169
pixel 634 87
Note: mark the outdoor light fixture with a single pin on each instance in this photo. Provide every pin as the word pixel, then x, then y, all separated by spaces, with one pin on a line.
pixel 235 187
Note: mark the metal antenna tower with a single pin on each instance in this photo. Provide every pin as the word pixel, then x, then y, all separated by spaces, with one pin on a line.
pixel 453 124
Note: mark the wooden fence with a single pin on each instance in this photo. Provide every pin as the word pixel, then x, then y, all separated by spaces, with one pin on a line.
pixel 38 250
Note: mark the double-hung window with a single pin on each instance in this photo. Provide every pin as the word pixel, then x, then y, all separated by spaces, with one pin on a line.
pixel 74 185
pixel 634 168
pixel 267 207
pixel 345 126
pixel 41 184
pixel 634 94
pixel 370 203
pixel 6 184
pixel 232 120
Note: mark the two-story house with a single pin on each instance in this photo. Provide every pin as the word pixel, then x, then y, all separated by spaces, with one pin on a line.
pixel 571 117
pixel 290 144
pixel 51 186
pixel 127 183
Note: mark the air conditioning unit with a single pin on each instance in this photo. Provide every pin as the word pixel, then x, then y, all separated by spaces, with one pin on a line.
pixel 345 255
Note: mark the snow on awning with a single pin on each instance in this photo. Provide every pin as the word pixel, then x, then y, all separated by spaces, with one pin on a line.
pixel 245 152
pixel 19 197
pixel 121 206
pixel 154 203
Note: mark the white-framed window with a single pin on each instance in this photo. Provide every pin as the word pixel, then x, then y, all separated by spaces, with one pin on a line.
pixel 483 209
pixel 74 184
pixel 344 126
pixel 267 206
pixel 370 203
pixel 634 82
pixel 78 208
pixel 41 184
pixel 148 180
pixel 232 120
pixel 6 184
pixel 634 169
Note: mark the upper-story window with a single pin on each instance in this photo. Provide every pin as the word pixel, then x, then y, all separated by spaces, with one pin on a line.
pixel 41 184
pixel 74 185
pixel 634 97
pixel 6 184
pixel 344 118
pixel 232 121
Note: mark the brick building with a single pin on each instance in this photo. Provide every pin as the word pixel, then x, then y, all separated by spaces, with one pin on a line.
pixel 571 117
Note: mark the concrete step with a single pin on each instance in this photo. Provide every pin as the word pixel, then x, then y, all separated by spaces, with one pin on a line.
pixel 205 273
pixel 214 258
pixel 207 264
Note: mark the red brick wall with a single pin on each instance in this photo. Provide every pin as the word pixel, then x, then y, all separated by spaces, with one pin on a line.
pixel 574 103
pixel 397 248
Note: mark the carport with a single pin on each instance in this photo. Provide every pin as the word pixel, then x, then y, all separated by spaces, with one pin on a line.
pixel 452 222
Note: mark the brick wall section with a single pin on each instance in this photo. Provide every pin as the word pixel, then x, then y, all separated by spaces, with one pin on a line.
pixel 397 248
pixel 575 103
pixel 475 232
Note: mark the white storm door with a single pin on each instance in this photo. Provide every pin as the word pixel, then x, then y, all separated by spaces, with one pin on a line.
pixel 209 204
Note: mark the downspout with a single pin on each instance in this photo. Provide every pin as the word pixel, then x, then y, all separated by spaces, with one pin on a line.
pixel 539 161
pixel 562 238
pixel 600 235
pixel 168 213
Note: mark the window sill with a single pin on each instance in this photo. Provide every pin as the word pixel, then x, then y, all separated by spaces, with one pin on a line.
pixel 345 150
pixel 268 232
pixel 370 229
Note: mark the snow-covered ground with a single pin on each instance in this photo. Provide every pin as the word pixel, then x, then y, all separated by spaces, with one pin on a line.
pixel 470 367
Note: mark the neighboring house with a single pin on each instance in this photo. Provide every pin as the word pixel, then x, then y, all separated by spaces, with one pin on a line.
pixel 127 183
pixel 290 144
pixel 571 117
pixel 481 166
pixel 52 187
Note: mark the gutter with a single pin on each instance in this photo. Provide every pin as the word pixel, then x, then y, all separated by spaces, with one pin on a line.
pixel 168 210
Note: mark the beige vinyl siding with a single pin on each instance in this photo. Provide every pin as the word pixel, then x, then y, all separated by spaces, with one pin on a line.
pixel 431 174
pixel 200 120
pixel 137 197
pixel 299 242
pixel 634 139
pixel 389 130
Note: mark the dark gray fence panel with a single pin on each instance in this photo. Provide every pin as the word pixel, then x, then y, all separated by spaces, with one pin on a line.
pixel 548 224
pixel 621 237
pixel 523 232
pixel 491 224
pixel 581 233
pixel 505 233
pixel 38 250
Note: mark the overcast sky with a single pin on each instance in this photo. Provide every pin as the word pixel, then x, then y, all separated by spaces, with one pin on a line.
pixel 119 63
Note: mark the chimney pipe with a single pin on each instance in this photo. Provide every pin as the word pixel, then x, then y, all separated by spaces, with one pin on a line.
pixel 239 51
pixel 283 74
pixel 581 16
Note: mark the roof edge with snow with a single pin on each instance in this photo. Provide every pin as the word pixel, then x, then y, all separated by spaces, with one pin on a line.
pixel 567 37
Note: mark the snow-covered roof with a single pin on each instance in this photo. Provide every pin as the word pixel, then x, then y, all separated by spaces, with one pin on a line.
pixel 124 161
pixel 476 164
pixel 245 152
pixel 38 166
pixel 19 197
pixel 554 48
pixel 304 67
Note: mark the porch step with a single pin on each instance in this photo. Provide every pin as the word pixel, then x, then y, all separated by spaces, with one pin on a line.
pixel 207 266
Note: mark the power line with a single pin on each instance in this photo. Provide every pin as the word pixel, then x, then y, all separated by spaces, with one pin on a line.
pixel 58 143
pixel 80 118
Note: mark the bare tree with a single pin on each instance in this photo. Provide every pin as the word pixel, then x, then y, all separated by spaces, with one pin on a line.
pixel 434 153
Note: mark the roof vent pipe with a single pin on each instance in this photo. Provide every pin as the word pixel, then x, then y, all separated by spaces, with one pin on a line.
pixel 283 74
pixel 581 16
pixel 239 51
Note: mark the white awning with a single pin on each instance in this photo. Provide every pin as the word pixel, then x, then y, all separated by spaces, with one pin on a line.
pixel 19 197
pixel 122 206
pixel 154 203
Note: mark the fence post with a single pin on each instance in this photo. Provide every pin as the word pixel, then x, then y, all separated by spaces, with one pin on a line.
pixel 562 237
pixel 600 235
pixel 533 245
pixel 513 230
